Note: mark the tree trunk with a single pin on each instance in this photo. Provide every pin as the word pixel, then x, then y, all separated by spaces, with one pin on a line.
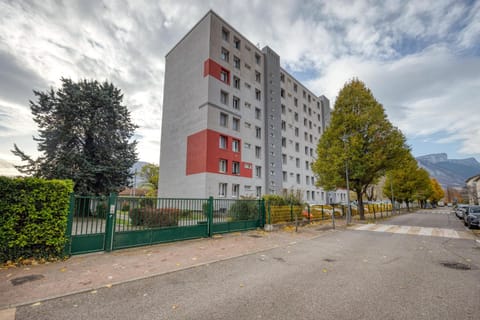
pixel 360 205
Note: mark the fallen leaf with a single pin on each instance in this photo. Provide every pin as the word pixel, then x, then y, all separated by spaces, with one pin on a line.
pixel 63 269
pixel 174 307
pixel 110 277
pixel 324 270
pixel 75 305
pixel 241 285
pixel 36 304
pixel 93 291
pixel 108 285
pixel 194 258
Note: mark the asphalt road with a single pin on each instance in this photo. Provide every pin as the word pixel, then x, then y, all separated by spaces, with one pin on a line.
pixel 339 275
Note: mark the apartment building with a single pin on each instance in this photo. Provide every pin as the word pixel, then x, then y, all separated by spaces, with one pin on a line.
pixel 235 123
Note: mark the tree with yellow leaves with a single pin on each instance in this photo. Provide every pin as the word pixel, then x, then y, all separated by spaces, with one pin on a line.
pixel 437 193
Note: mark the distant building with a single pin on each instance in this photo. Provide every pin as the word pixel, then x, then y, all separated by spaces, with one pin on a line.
pixel 235 123
pixel 473 187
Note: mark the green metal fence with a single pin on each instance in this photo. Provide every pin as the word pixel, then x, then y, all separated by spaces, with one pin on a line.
pixel 109 223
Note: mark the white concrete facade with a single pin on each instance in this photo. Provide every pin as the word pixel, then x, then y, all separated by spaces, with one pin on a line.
pixel 248 97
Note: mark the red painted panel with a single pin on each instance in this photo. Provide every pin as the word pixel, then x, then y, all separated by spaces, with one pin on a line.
pixel 197 153
pixel 213 69
pixel 204 154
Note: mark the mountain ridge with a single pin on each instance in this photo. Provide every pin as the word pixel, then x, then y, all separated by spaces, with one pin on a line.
pixel 449 172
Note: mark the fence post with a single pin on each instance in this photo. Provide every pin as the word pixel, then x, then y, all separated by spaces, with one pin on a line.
pixel 67 250
pixel 333 215
pixel 291 212
pixel 110 225
pixel 262 211
pixel 210 216
pixel 269 213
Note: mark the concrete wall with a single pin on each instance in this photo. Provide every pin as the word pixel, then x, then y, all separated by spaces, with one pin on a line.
pixel 185 90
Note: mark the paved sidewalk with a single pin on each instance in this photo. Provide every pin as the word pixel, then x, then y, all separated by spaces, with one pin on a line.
pixel 92 271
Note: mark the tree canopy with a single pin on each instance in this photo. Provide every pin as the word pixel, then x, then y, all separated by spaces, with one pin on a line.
pixel 408 182
pixel 437 192
pixel 359 137
pixel 85 134
pixel 150 173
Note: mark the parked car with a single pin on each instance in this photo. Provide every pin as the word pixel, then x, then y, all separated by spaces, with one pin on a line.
pixel 460 210
pixel 472 217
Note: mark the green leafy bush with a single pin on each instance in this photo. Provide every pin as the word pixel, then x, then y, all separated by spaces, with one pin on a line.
pixel 151 217
pixel 244 210
pixel 33 217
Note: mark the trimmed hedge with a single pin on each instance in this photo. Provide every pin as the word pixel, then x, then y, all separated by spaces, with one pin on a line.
pixel 151 217
pixel 33 217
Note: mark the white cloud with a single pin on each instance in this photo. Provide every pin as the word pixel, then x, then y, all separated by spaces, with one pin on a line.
pixel 420 58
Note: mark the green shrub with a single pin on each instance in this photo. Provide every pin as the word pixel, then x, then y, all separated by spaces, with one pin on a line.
pixel 275 200
pixel 244 210
pixel 151 217
pixel 101 210
pixel 125 206
pixel 33 217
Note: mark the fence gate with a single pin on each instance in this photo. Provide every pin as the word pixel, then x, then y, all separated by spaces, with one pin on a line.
pixel 109 223
pixel 87 223
pixel 145 221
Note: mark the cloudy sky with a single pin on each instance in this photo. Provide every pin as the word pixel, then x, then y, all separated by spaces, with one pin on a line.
pixel 421 59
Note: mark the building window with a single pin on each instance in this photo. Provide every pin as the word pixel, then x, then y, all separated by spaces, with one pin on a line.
pixel 284 174
pixel 284 125
pixel 297 146
pixel 311 139
pixel 223 120
pixel 259 191
pixel 308 195
pixel 304 94
pixel 258 171
pixel 311 152
pixel 307 165
pixel 305 108
pixel 284 142
pixel 225 34
pixel 295 116
pixel 235 167
pixel 297 162
pixel 305 122
pixel 296 132
pixel 236 43
pixel 222 189
pixel 284 158
pixel 236 82
pixel 282 77
pixel 295 87
pixel 258 152
pixel 222 165
pixel 298 178
pixel 235 145
pixel 224 97
pixel 222 142
pixel 295 102
pixel 258 132
pixel 282 93
pixel 307 180
pixel 313 194
pixel 305 135
pixel 306 151
pixel 225 55
pixel 236 124
pixel 258 76
pixel 236 103
pixel 310 124
pixel 309 98
pixel 309 111
pixel 258 113
pixel 258 58
pixel 235 190
pixel 236 62
pixel 283 109
pixel 258 94
pixel 224 76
